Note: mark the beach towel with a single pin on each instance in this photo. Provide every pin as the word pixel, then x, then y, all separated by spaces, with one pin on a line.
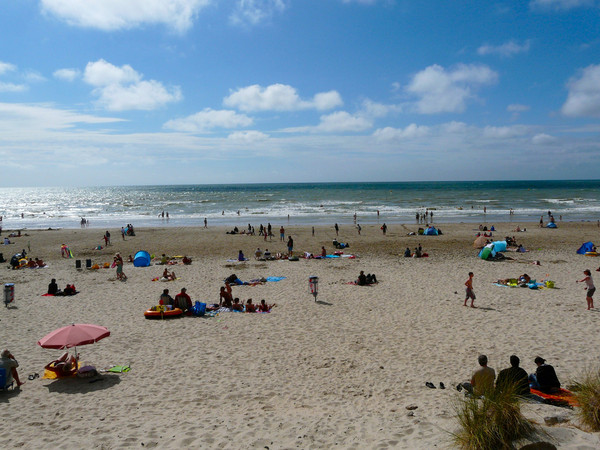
pixel 117 369
pixel 275 279
pixel 562 397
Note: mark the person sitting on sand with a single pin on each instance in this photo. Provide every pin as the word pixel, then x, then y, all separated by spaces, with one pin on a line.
pixel 130 258
pixel 241 256
pixel 237 306
pixel 39 263
pixel 10 364
pixel 186 261
pixel 31 263
pixel 514 377
pixel 69 290
pixel 250 307
pixel 323 252
pixel 371 278
pixel 183 301
pixel 165 298
pixel 407 253
pixel 53 287
pixel 168 276
pixel 225 297
pixel 264 307
pixel 164 259
pixel 417 253
pixel 258 254
pixel 544 379
pixel 267 254
pixel 482 380
pixel 362 279
pixel 64 366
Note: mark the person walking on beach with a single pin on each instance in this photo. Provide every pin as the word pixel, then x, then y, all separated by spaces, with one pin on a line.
pixel 358 228
pixel 384 228
pixel 337 229
pixel 590 288
pixel 205 223
pixel 290 246
pixel 469 291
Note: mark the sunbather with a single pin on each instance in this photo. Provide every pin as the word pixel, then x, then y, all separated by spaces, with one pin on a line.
pixel 237 306
pixel 250 307
pixel 264 307
pixel 63 366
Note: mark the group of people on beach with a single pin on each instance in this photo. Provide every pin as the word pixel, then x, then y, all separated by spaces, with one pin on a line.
pixel 544 378
pixel 226 300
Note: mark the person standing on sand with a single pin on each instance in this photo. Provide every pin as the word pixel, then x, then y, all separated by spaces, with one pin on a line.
pixel 384 228
pixel 337 229
pixel 358 228
pixel 205 223
pixel 290 246
pixel 590 288
pixel 469 291
pixel 282 233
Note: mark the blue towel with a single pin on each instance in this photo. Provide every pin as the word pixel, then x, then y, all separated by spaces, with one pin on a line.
pixel 275 278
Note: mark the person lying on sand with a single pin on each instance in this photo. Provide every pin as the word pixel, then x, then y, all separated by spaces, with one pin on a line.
pixel 63 366
pixel 186 261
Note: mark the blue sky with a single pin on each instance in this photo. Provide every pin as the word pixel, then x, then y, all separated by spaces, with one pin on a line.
pixel 113 92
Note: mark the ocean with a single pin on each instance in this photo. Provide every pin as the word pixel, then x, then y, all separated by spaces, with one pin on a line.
pixel 299 203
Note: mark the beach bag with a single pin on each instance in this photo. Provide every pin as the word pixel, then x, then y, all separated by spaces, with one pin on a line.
pixel 199 309
pixel 549 284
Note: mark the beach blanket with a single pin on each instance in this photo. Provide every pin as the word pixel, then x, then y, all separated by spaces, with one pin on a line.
pixel 60 295
pixel 163 279
pixel 561 398
pixel 354 283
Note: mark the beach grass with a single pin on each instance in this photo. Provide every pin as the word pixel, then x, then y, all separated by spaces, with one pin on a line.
pixel 493 421
pixel 587 393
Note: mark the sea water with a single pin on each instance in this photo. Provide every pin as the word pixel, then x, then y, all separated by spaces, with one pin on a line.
pixel 299 203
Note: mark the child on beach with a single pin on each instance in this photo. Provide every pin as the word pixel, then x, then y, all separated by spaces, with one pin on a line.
pixel 469 291
pixel 589 287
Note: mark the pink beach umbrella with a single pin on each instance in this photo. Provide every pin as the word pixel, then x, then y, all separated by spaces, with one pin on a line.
pixel 74 335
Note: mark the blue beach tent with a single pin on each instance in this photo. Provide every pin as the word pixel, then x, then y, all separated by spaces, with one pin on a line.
pixel 487 252
pixel 587 247
pixel 499 246
pixel 431 231
pixel 141 259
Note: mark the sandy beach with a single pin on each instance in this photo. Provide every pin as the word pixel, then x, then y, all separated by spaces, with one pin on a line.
pixel 337 372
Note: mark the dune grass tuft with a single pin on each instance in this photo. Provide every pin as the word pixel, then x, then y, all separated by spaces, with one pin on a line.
pixel 491 422
pixel 587 393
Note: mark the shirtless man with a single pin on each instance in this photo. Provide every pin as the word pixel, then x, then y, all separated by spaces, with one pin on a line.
pixel 225 297
pixel 469 290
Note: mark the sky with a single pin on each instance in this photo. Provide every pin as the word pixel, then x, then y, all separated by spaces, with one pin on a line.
pixel 129 92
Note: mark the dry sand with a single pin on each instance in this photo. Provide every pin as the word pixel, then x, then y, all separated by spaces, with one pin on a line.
pixel 337 372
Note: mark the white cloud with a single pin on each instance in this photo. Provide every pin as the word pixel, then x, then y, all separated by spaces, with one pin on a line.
pixel 11 87
pixel 515 107
pixel 507 49
pixel 248 137
pixel 33 77
pixel 392 134
pixel 122 88
pixel 67 74
pixel 253 12
pixel 376 110
pixel 14 116
pixel 543 139
pixel 560 4
pixel 504 132
pixel 440 90
pixel 584 94
pixel 208 119
pixel 6 67
pixel 109 15
pixel 279 97
pixel 341 121
pixel 103 73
